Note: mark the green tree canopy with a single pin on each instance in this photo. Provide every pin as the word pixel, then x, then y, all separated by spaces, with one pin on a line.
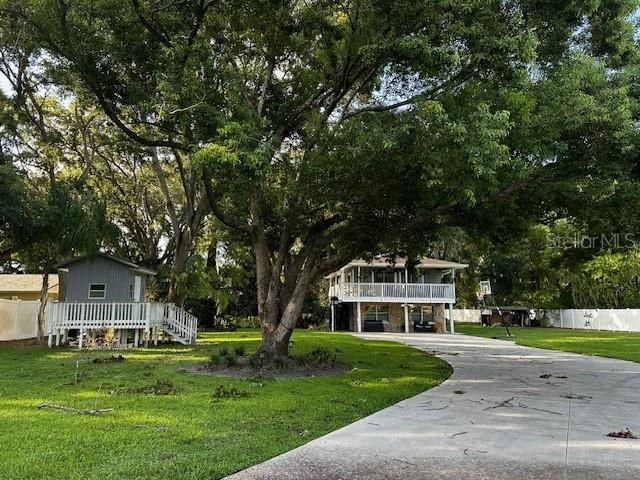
pixel 326 130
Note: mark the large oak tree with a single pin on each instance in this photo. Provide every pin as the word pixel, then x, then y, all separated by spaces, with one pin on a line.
pixel 325 130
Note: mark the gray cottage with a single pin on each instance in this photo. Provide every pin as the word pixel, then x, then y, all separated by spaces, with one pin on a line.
pixel 104 293
pixel 102 278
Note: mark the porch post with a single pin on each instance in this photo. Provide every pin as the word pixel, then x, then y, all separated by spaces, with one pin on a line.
pixel 406 318
pixel 359 318
pixel 136 337
pixel 333 317
pixel 451 321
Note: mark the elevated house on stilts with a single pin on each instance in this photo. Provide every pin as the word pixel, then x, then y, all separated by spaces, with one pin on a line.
pixel 391 295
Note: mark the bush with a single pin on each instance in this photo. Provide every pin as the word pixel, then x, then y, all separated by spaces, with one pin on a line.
pixel 229 360
pixel 225 357
pixel 215 358
pixel 239 351
pixel 255 361
pixel 318 357
pixel 223 392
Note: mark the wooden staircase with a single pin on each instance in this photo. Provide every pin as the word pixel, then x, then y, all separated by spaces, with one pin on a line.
pixel 180 325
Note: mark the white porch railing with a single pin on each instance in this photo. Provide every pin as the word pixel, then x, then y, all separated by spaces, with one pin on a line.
pixel 145 316
pixel 394 292
pixel 181 322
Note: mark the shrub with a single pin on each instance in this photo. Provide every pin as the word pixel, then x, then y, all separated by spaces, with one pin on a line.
pixel 239 351
pixel 229 360
pixel 317 357
pixel 222 392
pixel 225 357
pixel 255 361
pixel 215 358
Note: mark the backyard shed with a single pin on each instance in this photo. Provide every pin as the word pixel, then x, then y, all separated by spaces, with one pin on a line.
pixel 101 294
pixel 102 278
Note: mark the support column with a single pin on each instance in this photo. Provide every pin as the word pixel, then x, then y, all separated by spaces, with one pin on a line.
pixel 80 337
pixel 452 326
pixel 50 341
pixel 333 317
pixel 57 337
pixel 406 318
pixel 359 317
pixel 136 338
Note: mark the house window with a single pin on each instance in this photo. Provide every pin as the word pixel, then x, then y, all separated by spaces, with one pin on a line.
pixel 131 291
pixel 422 314
pixel 383 276
pixel 379 313
pixel 97 291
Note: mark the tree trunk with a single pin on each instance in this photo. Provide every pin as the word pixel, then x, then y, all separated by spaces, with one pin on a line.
pixel 438 318
pixel 43 302
pixel 279 311
pixel 274 344
pixel 179 266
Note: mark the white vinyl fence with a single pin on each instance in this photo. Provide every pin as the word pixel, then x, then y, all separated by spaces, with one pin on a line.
pixel 611 319
pixel 18 319
pixel 467 315
pixel 625 320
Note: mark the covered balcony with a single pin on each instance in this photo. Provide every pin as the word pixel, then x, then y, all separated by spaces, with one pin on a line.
pixel 393 292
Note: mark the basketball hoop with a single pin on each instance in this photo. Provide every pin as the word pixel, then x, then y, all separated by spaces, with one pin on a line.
pixel 485 288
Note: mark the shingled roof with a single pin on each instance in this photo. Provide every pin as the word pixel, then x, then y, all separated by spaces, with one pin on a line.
pixel 23 283
pixel 400 262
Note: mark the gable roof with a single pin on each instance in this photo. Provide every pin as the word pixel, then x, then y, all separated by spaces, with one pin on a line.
pixel 131 265
pixel 26 283
pixel 400 262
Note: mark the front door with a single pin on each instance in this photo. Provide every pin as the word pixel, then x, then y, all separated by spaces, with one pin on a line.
pixel 137 288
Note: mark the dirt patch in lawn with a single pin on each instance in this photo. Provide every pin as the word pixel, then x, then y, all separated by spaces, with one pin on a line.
pixel 245 371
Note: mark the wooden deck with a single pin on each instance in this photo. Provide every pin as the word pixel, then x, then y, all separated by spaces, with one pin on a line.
pixel 144 319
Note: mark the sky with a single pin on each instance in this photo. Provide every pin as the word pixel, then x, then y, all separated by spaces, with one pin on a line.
pixel 5 86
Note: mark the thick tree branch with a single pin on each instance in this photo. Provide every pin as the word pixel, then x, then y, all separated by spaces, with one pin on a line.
pixel 454 81
pixel 268 75
pixel 226 219
pixel 164 188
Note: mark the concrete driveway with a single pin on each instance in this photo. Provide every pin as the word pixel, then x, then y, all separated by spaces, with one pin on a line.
pixel 507 412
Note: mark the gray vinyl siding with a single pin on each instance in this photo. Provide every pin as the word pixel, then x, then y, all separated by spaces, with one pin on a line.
pixel 99 270
pixel 432 275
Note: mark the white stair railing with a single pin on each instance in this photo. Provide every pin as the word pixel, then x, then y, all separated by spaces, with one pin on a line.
pixel 182 323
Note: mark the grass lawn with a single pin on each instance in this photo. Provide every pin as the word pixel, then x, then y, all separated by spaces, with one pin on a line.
pixel 185 435
pixel 621 345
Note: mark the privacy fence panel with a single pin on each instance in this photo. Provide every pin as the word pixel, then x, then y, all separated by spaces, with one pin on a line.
pixel 468 315
pixel 625 320
pixel 611 319
pixel 18 319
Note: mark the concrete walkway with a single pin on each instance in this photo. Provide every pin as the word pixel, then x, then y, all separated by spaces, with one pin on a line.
pixel 507 412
